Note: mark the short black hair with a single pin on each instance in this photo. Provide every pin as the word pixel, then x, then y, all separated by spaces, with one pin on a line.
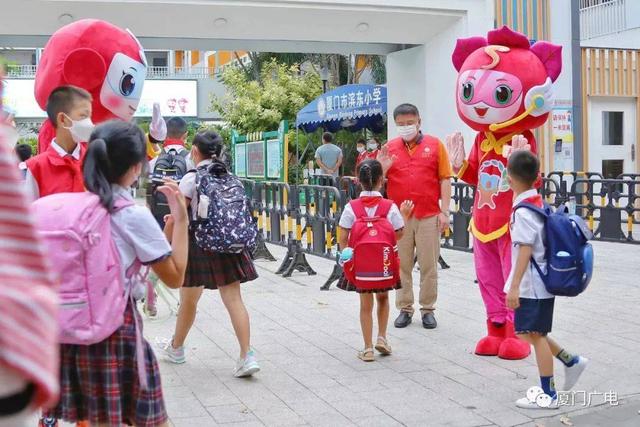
pixel 361 141
pixel 524 167
pixel 24 152
pixel 327 137
pixel 406 109
pixel 176 127
pixel 62 100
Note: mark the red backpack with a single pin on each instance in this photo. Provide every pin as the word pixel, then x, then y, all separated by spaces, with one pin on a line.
pixel 374 264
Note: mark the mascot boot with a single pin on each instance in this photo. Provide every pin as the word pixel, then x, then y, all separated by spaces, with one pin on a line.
pixel 513 348
pixel 490 345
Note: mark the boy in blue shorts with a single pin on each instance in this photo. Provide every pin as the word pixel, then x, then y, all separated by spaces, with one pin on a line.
pixel 526 292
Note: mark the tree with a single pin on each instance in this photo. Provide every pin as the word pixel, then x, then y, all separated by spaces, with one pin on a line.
pixel 257 105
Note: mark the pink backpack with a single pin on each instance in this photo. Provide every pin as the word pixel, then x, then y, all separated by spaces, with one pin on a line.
pixel 76 229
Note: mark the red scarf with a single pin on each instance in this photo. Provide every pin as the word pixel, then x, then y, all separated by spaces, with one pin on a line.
pixel 534 200
pixel 171 141
pixel 370 201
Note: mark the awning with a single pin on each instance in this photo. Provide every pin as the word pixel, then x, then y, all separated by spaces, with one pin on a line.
pixel 351 107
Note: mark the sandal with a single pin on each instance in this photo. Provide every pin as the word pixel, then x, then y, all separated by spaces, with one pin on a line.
pixel 366 355
pixel 383 347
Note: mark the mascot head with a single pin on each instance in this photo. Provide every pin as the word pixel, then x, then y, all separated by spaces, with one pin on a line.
pixel 99 57
pixel 504 83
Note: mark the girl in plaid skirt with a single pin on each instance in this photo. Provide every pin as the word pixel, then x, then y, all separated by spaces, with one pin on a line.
pixel 100 383
pixel 208 270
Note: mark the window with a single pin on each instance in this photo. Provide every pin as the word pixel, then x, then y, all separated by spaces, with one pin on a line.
pixel 611 169
pixel 612 127
pixel 160 62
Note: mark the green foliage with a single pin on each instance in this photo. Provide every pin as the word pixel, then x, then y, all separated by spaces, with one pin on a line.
pixel 251 105
pixel 33 142
pixel 379 70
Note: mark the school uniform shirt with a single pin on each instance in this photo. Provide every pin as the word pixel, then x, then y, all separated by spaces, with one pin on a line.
pixel 527 229
pixel 348 218
pixel 416 174
pixel 48 174
pixel 189 190
pixel 136 233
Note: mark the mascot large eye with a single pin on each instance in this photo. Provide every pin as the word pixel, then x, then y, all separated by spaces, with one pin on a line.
pixel 127 84
pixel 467 91
pixel 503 94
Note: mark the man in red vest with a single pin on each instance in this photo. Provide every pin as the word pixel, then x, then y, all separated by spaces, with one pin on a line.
pixel 418 169
pixel 59 168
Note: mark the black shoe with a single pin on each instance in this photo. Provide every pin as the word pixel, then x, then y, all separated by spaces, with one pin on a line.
pixel 429 321
pixel 403 320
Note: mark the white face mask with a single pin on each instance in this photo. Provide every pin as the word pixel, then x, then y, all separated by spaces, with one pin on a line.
pixel 80 129
pixel 359 149
pixel 408 133
pixel 372 146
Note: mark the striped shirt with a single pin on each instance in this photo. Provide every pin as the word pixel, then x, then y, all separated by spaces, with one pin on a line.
pixel 28 298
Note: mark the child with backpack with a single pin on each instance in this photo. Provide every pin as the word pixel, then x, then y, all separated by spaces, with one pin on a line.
pixel 210 191
pixel 527 288
pixel 369 228
pixel 108 372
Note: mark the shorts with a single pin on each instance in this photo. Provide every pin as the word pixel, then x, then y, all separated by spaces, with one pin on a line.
pixel 534 316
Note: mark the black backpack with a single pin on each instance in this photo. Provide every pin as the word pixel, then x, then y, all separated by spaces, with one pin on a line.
pixel 170 164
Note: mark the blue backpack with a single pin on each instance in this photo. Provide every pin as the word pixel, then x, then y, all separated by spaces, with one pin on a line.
pixel 228 226
pixel 568 252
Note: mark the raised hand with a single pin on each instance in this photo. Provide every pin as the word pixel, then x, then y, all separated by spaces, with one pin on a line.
pixel 518 143
pixel 175 200
pixel 455 148
pixel 406 208
pixel 385 159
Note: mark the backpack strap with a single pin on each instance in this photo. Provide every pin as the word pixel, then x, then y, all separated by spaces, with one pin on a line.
pixel 358 208
pixel 544 213
pixel 382 208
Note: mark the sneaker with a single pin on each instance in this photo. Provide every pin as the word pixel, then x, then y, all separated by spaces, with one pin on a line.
pixel 247 366
pixel 572 373
pixel 537 399
pixel 175 355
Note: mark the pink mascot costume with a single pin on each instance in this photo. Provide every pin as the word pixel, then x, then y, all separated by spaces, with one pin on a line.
pixel 504 90
pixel 99 57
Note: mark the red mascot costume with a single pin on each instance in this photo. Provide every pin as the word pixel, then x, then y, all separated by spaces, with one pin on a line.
pixel 504 90
pixel 99 57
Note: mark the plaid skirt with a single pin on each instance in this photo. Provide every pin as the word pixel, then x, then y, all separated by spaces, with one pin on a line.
pixel 213 270
pixel 99 382
pixel 346 285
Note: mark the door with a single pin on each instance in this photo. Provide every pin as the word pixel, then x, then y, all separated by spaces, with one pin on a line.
pixel 612 136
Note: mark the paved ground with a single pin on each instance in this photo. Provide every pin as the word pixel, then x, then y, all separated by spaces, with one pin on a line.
pixel 307 340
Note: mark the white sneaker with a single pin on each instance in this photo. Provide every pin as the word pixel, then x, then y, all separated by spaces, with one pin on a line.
pixel 175 355
pixel 248 366
pixel 537 399
pixel 572 373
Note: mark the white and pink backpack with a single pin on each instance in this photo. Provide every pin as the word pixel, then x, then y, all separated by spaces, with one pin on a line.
pixel 76 229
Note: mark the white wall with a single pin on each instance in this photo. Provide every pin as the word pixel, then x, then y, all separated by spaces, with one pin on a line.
pixel 406 82
pixel 206 88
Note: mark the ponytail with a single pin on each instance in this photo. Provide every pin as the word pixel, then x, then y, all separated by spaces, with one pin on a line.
pixel 96 170
pixel 370 174
pixel 114 148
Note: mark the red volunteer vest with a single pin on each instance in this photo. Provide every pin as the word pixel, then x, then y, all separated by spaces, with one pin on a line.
pixel 486 169
pixel 55 174
pixel 415 176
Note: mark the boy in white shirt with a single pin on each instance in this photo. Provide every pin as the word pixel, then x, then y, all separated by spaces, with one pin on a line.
pixel 525 289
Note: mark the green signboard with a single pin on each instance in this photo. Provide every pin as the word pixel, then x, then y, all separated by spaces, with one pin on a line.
pixel 261 155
